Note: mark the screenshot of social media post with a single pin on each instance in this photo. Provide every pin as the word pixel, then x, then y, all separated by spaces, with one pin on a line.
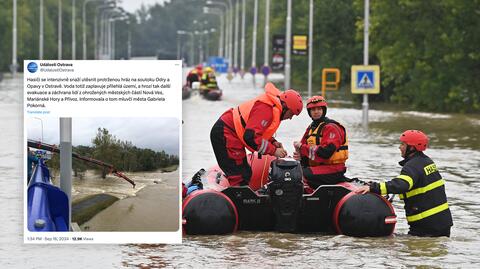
pixel 102 151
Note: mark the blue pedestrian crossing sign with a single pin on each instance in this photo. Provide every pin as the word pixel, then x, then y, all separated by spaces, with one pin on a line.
pixel 366 79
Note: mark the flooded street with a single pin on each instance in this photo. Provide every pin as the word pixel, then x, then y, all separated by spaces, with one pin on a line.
pixel 374 155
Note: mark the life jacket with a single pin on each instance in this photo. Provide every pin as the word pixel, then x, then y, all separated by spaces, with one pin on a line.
pixel 241 114
pixel 208 82
pixel 314 138
pixel 426 203
pixel 193 71
pixel 192 77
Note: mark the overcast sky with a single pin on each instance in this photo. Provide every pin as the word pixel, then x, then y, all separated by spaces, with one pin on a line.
pixel 133 5
pixel 153 133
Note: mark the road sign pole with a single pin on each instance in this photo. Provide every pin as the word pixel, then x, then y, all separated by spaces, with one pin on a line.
pixel 66 162
pixel 14 40
pixel 310 48
pixel 365 62
pixel 254 42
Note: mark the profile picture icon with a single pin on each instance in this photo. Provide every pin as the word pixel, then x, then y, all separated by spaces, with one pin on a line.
pixel 32 67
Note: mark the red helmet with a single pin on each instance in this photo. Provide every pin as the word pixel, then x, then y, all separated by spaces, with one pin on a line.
pixel 293 100
pixel 415 138
pixel 316 101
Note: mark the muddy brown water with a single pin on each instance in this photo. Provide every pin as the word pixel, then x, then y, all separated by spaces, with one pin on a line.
pixel 373 156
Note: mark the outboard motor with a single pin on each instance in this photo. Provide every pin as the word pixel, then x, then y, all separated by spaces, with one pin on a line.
pixel 286 190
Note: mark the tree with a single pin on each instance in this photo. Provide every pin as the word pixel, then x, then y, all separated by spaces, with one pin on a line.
pixel 428 51
pixel 105 148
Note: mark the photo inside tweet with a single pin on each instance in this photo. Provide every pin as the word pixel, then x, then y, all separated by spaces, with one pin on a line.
pixel 102 159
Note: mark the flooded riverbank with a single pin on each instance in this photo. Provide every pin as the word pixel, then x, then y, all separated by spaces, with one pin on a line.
pixel 153 208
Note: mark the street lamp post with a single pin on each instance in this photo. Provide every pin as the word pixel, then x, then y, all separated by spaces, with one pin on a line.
pixel 192 56
pixel 178 46
pixel 218 12
pixel 310 48
pixel 14 40
pixel 235 52
pixel 59 35
pixel 365 62
pixel 208 32
pixel 228 22
pixel 113 42
pixel 242 46
pixel 85 27
pixel 220 38
pixel 101 49
pixel 129 41
pixel 207 45
pixel 288 37
pixel 41 125
pixel 74 44
pixel 267 34
pixel 200 54
pixel 230 50
pixel 105 33
pixel 112 38
pixel 40 39
pixel 110 33
pixel 206 39
pixel 196 33
pixel 254 38
pixel 98 39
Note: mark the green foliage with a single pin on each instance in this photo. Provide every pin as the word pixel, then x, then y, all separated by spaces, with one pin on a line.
pixel 428 50
pixel 429 53
pixel 28 29
pixel 334 44
pixel 123 155
pixel 155 31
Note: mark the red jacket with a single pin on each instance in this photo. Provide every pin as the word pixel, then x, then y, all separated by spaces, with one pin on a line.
pixel 333 137
pixel 261 116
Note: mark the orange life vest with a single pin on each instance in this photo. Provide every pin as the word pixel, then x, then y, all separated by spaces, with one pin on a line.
pixel 314 138
pixel 241 114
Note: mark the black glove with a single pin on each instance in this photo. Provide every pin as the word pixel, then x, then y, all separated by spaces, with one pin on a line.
pixel 197 178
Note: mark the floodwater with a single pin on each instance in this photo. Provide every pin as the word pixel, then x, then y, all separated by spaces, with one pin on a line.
pixel 150 206
pixel 90 182
pixel 373 155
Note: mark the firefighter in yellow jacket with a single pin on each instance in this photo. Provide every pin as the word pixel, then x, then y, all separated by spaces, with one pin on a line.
pixel 208 81
pixel 420 186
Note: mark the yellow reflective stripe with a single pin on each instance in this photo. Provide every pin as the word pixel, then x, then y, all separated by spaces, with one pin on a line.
pixel 429 187
pixel 401 196
pixel 428 213
pixel 408 179
pixel 383 188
